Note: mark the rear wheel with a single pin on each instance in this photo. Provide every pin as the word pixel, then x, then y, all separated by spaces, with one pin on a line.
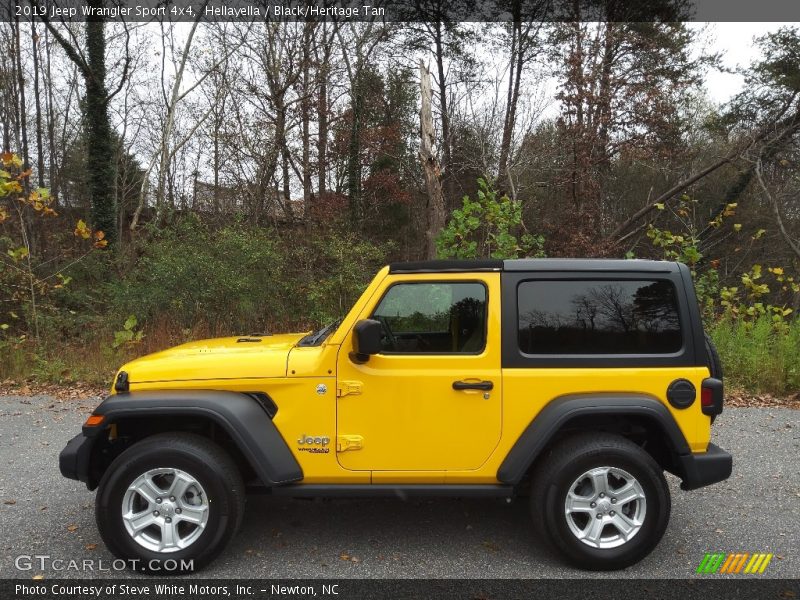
pixel 170 503
pixel 601 500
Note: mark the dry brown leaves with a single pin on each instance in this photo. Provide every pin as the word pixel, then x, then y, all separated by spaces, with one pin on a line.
pixel 73 391
pixel 739 398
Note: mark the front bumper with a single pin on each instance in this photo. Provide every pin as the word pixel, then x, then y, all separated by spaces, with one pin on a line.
pixel 698 470
pixel 74 460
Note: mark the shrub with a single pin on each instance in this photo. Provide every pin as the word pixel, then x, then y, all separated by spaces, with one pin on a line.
pixel 488 227
pixel 758 357
pixel 191 273
pixel 239 280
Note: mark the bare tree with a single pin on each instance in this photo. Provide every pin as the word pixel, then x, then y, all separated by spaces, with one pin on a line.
pixel 430 164
pixel 523 48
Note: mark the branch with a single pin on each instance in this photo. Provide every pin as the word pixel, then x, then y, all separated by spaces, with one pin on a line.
pixel 671 192
pixel 73 54
pixel 790 123
pixel 123 78
pixel 213 68
pixel 775 209
pixel 62 269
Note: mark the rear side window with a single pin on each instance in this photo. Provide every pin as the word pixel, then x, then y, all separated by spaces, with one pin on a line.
pixel 598 317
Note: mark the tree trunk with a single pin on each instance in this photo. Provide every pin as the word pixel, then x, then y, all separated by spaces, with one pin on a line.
pixel 322 111
pixel 446 150
pixel 305 117
pixel 99 144
pixel 6 108
pixel 39 145
pixel 23 121
pixel 217 129
pixel 53 172
pixel 430 165
pixel 280 137
pixel 577 127
pixel 511 100
pixel 100 150
pixel 354 152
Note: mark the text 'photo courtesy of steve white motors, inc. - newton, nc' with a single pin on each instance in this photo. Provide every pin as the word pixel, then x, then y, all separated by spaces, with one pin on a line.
pixel 194 590
pixel 204 10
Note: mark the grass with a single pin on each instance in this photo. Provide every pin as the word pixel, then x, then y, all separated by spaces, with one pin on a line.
pixel 92 359
pixel 756 357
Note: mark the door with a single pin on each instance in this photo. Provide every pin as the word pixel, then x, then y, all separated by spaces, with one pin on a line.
pixel 431 400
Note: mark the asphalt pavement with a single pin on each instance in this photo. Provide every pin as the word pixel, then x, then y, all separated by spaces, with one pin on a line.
pixel 756 510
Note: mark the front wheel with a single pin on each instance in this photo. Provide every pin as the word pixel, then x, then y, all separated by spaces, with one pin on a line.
pixel 170 503
pixel 601 500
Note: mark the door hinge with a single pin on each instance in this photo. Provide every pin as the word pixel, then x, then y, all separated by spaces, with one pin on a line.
pixel 344 388
pixel 349 442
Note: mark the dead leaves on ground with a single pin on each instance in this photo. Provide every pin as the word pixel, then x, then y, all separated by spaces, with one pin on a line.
pixel 77 391
pixel 741 399
pixel 347 557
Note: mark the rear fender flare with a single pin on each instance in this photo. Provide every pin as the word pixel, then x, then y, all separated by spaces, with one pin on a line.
pixel 561 410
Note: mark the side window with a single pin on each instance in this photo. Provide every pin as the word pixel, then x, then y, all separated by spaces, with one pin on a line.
pixel 598 317
pixel 439 318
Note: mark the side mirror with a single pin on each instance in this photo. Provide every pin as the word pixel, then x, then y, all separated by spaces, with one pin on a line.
pixel 366 340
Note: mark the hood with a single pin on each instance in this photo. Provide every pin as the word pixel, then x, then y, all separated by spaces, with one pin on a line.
pixel 219 358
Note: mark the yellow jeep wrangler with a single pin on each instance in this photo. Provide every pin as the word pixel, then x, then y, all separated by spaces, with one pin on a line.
pixel 573 383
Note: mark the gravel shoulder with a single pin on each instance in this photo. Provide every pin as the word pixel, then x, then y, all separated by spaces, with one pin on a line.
pixel 756 510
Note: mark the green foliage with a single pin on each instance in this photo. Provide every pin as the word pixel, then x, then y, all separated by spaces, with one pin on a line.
pixel 128 334
pixel 187 281
pixel 758 339
pixel 487 228
pixel 758 357
pixel 238 279
pixel 684 248
pixel 13 361
pixel 747 302
pixel 28 281
pixel 190 273
pixel 325 278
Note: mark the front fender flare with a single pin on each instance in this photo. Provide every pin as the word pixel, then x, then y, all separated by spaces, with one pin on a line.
pixel 565 408
pixel 238 414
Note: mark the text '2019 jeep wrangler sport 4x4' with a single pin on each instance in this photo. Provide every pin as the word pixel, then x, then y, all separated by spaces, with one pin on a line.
pixel 574 382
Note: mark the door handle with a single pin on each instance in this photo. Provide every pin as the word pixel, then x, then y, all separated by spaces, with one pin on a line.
pixel 473 385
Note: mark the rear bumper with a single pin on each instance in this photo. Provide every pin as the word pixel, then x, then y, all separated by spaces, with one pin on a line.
pixel 73 462
pixel 699 470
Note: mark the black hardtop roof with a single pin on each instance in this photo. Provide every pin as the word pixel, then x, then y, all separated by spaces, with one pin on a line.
pixel 535 264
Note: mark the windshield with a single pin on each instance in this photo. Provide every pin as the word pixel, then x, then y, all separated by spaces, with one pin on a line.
pixel 315 338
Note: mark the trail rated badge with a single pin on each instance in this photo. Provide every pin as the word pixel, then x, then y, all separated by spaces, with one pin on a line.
pixel 734 563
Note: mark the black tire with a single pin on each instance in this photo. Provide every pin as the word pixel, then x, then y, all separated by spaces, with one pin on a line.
pixel 568 460
pixel 198 457
pixel 714 363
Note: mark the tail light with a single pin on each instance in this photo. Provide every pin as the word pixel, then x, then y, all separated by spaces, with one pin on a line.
pixel 711 397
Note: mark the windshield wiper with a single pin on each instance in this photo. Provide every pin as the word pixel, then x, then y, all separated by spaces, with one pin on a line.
pixel 317 337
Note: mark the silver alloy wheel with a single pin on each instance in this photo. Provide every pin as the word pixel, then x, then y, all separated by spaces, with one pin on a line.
pixel 605 507
pixel 165 510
